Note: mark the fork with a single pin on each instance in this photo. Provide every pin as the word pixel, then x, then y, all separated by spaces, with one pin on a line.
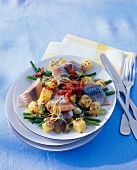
pixel 128 81
pixel 132 121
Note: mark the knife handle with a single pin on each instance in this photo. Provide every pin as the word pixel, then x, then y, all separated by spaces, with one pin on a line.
pixel 124 126
pixel 134 108
pixel 124 106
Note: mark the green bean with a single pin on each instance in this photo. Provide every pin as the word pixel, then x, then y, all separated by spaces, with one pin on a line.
pixel 92 122
pixel 39 69
pixel 25 113
pixel 32 121
pixel 37 117
pixel 88 75
pixel 34 67
pixel 108 81
pixel 31 77
pixel 105 89
pixel 35 120
pixel 29 117
pixel 87 118
pixel 33 117
pixel 85 112
pixel 47 73
pixel 40 124
pixel 38 121
pixel 110 92
pixel 92 119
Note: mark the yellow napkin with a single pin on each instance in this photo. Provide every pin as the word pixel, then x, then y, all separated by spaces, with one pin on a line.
pixel 77 46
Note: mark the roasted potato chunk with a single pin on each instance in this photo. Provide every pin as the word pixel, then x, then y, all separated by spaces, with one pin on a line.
pixel 73 98
pixel 33 107
pixel 79 125
pixel 52 83
pixel 45 95
pixel 95 108
pixel 101 83
pixel 48 125
pixel 87 79
pixel 86 64
pixel 85 101
pixel 55 63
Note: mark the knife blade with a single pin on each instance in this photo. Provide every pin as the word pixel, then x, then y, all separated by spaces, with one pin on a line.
pixel 114 75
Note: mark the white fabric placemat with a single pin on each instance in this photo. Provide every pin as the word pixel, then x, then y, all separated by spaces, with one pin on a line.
pixel 73 45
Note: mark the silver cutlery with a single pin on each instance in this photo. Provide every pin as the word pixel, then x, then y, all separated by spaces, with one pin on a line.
pixel 132 121
pixel 128 81
pixel 124 125
pixel 117 80
pixel 120 88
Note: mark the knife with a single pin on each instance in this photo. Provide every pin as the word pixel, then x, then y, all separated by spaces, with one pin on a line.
pixel 114 75
pixel 118 82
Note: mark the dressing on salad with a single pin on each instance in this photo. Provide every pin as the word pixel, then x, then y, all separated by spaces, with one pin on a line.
pixel 65 97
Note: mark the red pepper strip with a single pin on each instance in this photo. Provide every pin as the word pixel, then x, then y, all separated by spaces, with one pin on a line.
pixel 61 92
pixel 39 74
pixel 70 71
pixel 81 83
pixel 67 95
pixel 75 82
pixel 72 87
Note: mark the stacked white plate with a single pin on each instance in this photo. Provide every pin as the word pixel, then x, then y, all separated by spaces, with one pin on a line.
pixel 34 135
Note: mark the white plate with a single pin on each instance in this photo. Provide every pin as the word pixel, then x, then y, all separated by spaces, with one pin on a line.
pixel 35 140
pixel 18 126
pixel 23 83
pixel 56 148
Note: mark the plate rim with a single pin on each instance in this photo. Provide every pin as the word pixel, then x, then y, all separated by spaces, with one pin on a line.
pixel 57 137
pixel 59 148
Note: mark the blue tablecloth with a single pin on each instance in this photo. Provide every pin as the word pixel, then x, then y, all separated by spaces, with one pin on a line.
pixel 26 28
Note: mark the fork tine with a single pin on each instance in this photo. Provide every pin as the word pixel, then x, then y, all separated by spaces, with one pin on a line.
pixel 133 69
pixel 128 81
pixel 126 70
pixel 130 69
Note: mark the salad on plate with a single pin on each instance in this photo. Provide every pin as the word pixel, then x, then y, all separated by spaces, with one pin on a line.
pixel 65 97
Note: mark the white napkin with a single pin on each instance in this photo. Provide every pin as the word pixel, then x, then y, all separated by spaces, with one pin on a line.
pixel 73 45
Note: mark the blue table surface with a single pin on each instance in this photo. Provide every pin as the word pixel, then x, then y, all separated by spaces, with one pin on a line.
pixel 26 28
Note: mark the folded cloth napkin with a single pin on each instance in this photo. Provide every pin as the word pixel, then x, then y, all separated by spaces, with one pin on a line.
pixel 73 45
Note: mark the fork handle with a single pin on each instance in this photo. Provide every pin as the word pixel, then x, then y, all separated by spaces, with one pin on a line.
pixel 132 121
pixel 127 98
pixel 133 107
pixel 124 126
